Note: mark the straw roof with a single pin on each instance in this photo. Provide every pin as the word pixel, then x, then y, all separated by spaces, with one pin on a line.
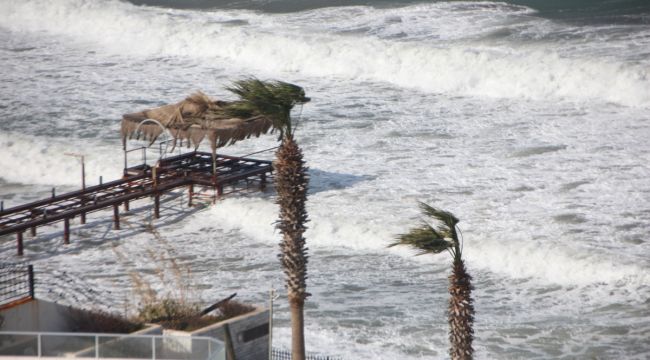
pixel 194 119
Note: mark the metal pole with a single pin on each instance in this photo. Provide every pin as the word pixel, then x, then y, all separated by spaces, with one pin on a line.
pixel 2 206
pixel 53 193
pixel 96 347
pixel 19 240
pixel 116 216
pixel 30 274
pixel 101 179
pixel 83 173
pixel 83 168
pixel 66 231
pixel 39 346
pixel 153 347
pixel 272 296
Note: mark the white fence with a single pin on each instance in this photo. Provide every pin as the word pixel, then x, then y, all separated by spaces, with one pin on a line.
pixel 123 346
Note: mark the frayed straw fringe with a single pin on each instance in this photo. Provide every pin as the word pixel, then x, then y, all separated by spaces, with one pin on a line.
pixel 191 121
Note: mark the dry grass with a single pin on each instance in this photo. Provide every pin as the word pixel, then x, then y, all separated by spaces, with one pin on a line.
pixel 179 315
pixel 98 321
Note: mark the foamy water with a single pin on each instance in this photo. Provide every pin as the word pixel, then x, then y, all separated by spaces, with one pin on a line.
pixel 532 131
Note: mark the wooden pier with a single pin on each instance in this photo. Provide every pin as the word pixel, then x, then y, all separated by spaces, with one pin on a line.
pixel 185 170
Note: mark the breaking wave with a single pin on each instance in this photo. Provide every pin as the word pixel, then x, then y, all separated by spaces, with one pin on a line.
pixel 262 43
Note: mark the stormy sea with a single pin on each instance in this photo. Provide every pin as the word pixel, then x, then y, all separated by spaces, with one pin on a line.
pixel 529 120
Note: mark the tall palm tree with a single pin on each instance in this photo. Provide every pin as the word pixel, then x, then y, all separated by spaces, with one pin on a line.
pixel 275 101
pixel 434 239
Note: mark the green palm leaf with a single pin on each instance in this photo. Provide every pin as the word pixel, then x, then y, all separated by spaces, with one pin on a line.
pixel 425 238
pixel 445 217
pixel 273 99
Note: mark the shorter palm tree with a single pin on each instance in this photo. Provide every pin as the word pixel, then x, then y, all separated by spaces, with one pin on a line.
pixel 434 239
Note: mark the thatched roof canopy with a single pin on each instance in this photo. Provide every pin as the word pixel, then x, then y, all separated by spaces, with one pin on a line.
pixel 196 118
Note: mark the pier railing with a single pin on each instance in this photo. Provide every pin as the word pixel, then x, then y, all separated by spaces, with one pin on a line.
pixel 171 173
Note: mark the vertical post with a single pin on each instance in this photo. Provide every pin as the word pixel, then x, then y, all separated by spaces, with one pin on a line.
pixel 33 231
pixel 96 347
pixel 263 181
pixel 271 298
pixel 126 205
pixel 156 209
pixel 125 162
pixel 83 173
pixel 116 216
pixel 214 162
pixel 19 238
pixel 230 349
pixel 153 347
pixel 53 193
pixel 66 231
pixel 2 206
pixel 39 346
pixel 190 194
pixel 82 217
pixel 101 180
pixel 154 175
pixel 30 274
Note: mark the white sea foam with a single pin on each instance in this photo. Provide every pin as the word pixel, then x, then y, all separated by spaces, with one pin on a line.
pixel 552 194
pixel 532 71
pixel 43 161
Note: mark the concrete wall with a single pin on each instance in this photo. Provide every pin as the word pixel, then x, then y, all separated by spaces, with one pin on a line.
pixel 45 316
pixel 35 315
pixel 249 334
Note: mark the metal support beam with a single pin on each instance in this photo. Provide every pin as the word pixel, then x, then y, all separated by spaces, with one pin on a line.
pixel 30 274
pixel 190 194
pixel 19 238
pixel 66 231
pixel 116 216
pixel 156 206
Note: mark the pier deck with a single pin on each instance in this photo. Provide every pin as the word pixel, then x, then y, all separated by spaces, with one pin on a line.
pixel 186 170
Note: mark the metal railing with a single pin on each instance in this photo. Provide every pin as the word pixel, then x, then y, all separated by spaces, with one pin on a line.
pixel 98 346
pixel 16 282
pixel 282 354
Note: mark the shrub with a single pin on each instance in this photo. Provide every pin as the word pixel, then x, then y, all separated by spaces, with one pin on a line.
pixel 99 321
pixel 179 315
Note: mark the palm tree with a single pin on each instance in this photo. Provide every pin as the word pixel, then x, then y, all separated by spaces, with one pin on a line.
pixel 275 101
pixel 429 239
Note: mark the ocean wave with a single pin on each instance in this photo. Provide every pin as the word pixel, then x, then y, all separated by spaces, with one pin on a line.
pixel 49 165
pixel 531 72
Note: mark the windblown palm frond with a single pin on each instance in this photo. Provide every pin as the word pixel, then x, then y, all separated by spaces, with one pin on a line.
pixel 425 238
pixel 273 99
pixel 445 217
pixel 433 240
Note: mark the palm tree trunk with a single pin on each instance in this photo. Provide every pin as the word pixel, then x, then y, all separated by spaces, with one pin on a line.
pixel 291 182
pixel 297 332
pixel 461 313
